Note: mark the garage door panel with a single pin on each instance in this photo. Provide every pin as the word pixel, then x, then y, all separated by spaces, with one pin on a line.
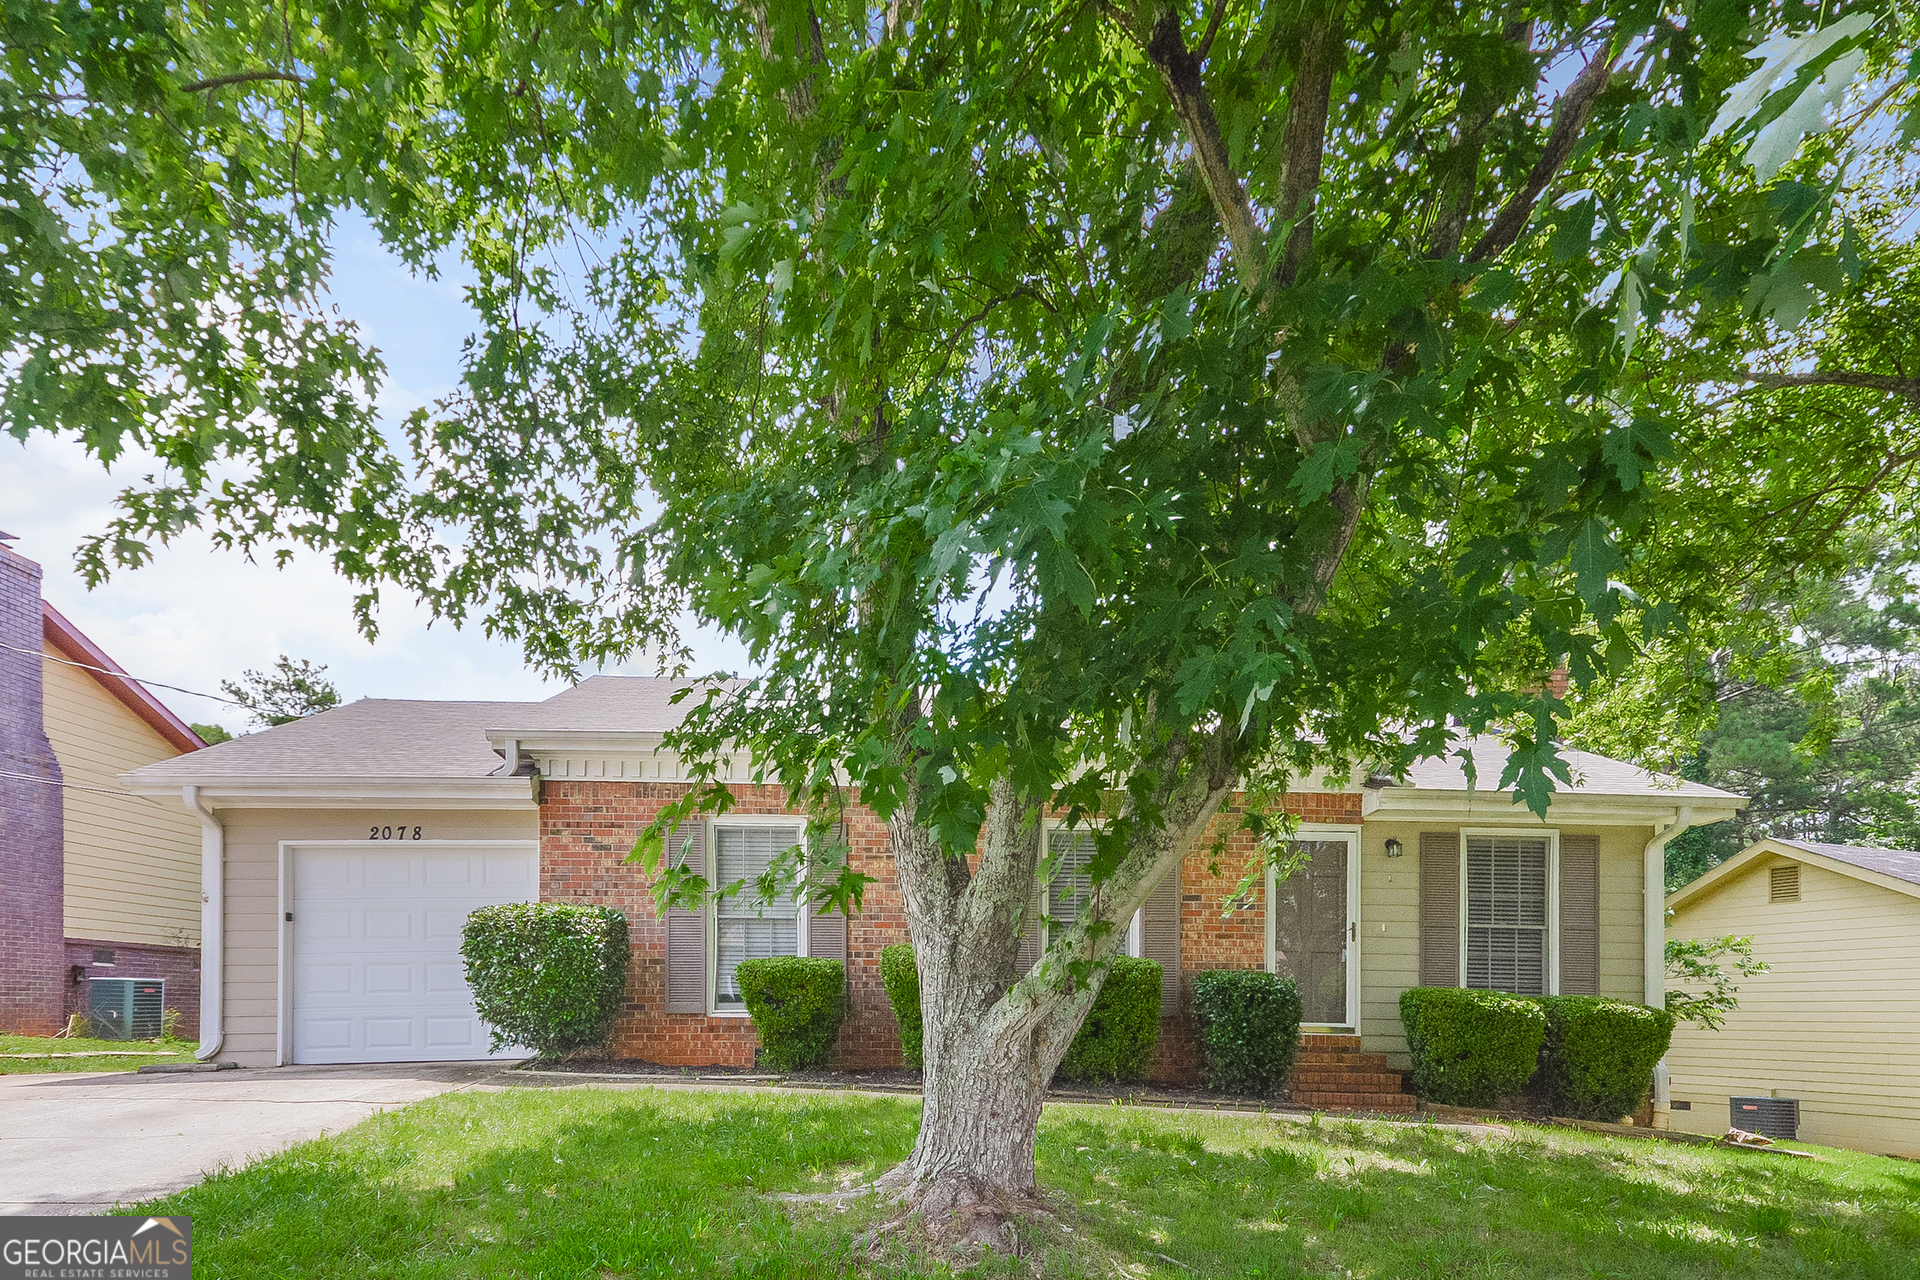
pixel 514 874
pixel 376 968
pixel 445 871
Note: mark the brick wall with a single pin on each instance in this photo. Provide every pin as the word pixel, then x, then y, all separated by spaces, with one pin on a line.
pixel 1214 937
pixel 32 877
pixel 180 966
pixel 587 829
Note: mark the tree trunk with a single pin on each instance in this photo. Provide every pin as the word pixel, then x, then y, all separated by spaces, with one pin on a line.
pixel 993 1036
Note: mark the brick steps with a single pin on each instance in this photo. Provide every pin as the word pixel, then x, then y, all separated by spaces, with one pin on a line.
pixel 1398 1103
pixel 1332 1074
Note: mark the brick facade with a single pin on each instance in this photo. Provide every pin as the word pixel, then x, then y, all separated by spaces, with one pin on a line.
pixel 587 829
pixel 32 835
pixel 586 832
pixel 180 966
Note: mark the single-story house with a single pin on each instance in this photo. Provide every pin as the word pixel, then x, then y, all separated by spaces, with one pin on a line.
pixel 93 882
pixel 353 843
pixel 1836 1023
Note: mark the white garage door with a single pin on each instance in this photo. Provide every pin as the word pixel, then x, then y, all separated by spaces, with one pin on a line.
pixel 375 936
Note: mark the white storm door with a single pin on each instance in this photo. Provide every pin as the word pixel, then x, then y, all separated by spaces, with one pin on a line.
pixel 375 942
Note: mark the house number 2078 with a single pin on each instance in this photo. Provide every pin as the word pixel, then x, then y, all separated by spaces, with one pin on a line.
pixel 401 832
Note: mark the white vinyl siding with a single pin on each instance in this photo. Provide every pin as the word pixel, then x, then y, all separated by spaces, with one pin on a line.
pixel 747 927
pixel 1507 914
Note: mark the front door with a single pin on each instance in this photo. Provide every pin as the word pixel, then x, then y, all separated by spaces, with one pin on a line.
pixel 1313 927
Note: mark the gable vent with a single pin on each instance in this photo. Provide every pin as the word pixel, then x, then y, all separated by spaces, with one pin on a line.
pixel 1783 884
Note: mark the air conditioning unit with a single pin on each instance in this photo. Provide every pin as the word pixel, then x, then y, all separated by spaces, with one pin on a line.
pixel 1774 1117
pixel 126 1008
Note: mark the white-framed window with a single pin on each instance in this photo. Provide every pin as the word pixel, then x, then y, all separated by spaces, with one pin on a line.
pixel 1509 911
pixel 1072 885
pixel 743 927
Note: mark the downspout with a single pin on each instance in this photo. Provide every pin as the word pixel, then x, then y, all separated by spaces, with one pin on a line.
pixel 1653 891
pixel 213 925
pixel 1653 901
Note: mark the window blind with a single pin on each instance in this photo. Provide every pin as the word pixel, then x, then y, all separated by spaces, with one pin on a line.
pixel 746 926
pixel 1507 914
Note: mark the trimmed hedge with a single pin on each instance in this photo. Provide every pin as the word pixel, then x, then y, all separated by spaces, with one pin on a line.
pixel 1249 1024
pixel 1598 1058
pixel 1116 1041
pixel 548 975
pixel 900 975
pixel 797 1004
pixel 1471 1048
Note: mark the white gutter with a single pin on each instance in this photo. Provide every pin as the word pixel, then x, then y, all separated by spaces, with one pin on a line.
pixel 1653 900
pixel 213 924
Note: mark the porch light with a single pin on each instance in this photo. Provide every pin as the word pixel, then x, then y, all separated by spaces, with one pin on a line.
pixel 1394 847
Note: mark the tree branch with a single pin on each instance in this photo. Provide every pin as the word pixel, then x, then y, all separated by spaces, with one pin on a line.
pixel 1304 141
pixel 1460 176
pixel 1213 25
pixel 1180 72
pixel 1570 120
pixel 1906 388
pixel 242 77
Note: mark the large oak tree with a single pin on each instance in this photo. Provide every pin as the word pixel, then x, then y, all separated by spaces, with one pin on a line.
pixel 1084 406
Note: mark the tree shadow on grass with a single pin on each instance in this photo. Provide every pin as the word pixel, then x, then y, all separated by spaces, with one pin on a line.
pixel 1261 1197
pixel 613 1184
pixel 575 1183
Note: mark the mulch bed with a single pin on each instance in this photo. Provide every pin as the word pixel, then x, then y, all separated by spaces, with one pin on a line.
pixel 902 1080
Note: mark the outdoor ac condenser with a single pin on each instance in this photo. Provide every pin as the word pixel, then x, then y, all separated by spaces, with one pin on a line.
pixel 126 1008
pixel 1774 1117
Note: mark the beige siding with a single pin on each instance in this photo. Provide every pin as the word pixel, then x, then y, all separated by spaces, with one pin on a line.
pixel 1390 914
pixel 132 864
pixel 253 838
pixel 1836 1024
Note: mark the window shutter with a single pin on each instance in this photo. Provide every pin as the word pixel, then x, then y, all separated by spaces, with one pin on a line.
pixel 1439 909
pixel 827 930
pixel 687 930
pixel 1160 937
pixel 1579 915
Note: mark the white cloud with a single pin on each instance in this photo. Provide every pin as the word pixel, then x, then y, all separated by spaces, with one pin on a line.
pixel 197 615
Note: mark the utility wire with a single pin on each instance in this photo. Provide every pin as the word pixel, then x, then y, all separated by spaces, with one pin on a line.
pixel 76 786
pixel 108 671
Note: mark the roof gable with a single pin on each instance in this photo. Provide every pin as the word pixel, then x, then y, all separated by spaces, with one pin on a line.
pixel 1896 870
pixel 62 635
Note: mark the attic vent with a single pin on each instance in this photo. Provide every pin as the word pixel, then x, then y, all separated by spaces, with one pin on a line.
pixel 1783 884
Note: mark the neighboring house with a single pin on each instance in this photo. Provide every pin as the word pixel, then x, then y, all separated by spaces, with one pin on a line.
pixel 1836 1023
pixel 97 882
pixel 357 840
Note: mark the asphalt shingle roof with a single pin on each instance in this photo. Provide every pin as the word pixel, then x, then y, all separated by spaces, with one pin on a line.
pixel 1901 864
pixel 1592 775
pixel 371 738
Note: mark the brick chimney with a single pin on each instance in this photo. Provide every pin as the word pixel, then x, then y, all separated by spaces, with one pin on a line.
pixel 32 830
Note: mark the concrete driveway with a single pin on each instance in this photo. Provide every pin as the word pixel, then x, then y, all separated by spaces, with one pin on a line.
pixel 74 1144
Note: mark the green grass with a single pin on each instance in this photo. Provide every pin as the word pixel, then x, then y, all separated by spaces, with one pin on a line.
pixel 161 1051
pixel 605 1184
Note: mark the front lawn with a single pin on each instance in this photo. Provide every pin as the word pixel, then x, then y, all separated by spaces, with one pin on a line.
pixel 611 1184
pixel 44 1053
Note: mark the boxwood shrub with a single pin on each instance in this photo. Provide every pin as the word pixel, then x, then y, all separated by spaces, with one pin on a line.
pixel 1598 1057
pixel 1116 1041
pixel 900 975
pixel 547 975
pixel 1249 1024
pixel 1471 1048
pixel 797 1004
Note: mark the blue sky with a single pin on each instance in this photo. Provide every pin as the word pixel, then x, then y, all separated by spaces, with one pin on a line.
pixel 197 615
